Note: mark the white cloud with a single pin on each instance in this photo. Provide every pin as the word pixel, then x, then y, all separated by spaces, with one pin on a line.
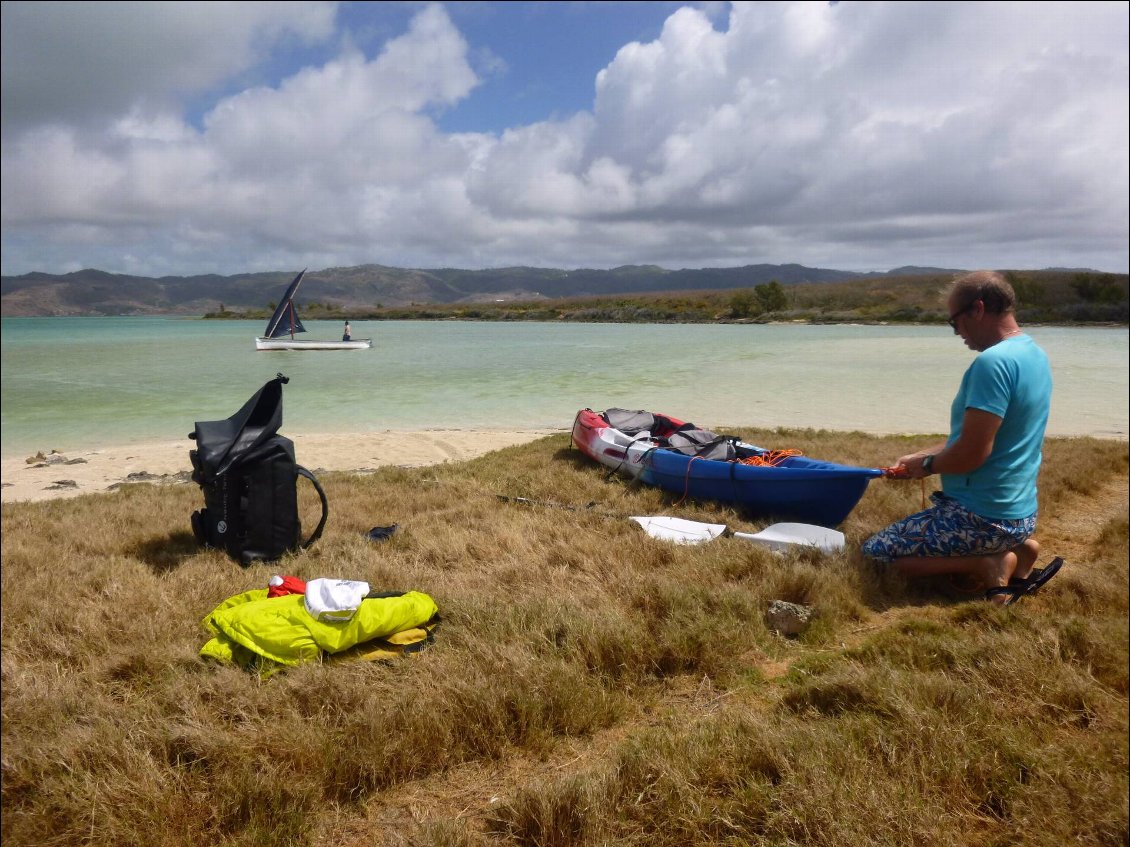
pixel 850 135
pixel 80 61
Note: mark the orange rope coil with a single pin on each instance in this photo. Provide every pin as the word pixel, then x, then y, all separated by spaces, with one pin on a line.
pixel 770 458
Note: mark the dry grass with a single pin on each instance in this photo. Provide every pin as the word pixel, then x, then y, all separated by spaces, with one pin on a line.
pixel 589 686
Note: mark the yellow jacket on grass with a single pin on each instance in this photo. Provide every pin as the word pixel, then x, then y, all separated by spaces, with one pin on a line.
pixel 251 627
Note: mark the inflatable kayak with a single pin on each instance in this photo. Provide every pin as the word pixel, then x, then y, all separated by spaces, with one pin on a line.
pixel 676 456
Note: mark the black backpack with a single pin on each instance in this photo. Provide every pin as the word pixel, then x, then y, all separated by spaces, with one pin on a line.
pixel 249 477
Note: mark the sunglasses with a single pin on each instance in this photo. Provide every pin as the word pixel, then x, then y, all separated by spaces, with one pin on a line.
pixel 963 310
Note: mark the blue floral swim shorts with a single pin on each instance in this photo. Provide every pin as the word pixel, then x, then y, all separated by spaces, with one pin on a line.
pixel 947 529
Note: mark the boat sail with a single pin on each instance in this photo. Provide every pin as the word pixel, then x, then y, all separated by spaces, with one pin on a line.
pixel 285 323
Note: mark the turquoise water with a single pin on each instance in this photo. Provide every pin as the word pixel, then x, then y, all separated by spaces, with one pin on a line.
pixel 73 383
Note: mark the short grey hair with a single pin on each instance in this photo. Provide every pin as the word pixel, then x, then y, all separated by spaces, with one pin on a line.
pixel 990 287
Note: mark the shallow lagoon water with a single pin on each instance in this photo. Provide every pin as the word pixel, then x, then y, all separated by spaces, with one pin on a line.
pixel 71 383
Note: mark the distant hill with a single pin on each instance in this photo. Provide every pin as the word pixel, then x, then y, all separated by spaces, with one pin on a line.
pixel 366 287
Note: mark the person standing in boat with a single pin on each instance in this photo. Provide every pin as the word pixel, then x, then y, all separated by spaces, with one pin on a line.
pixel 981 524
pixel 348 333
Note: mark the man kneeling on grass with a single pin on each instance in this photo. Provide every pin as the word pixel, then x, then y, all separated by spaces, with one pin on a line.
pixel 980 526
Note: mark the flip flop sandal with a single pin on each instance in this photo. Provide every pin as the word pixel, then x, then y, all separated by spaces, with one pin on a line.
pixel 1017 589
pixel 1039 578
pixel 1011 593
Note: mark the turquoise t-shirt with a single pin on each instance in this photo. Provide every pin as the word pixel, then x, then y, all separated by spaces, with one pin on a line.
pixel 1012 379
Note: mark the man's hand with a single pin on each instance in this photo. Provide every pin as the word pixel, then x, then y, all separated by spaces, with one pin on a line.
pixel 966 454
pixel 910 467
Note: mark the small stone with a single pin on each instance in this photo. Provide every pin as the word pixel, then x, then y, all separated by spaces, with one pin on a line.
pixel 788 618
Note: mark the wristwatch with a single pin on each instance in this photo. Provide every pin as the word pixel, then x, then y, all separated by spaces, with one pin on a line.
pixel 928 464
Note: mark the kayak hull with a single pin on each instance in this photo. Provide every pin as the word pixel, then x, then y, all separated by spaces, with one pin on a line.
pixel 796 488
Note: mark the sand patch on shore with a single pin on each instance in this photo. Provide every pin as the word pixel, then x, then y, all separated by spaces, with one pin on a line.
pixel 57 475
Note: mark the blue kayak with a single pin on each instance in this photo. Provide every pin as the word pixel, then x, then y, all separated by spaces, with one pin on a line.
pixel 792 487
pixel 797 488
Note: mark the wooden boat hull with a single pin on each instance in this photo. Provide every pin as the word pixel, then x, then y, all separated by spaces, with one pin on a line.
pixel 797 488
pixel 262 343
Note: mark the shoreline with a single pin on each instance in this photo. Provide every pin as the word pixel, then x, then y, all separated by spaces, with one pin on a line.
pixel 59 475
pixel 56 475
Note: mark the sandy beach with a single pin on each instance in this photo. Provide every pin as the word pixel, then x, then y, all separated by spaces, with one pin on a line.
pixel 52 475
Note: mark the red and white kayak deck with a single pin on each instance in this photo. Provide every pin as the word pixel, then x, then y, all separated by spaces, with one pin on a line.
pixel 617 450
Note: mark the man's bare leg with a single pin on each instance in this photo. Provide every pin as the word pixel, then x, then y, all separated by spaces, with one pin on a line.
pixel 990 571
pixel 1026 556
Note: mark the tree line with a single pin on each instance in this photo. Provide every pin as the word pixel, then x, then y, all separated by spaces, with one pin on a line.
pixel 1060 297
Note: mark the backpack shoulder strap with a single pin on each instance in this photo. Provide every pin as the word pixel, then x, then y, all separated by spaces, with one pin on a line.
pixel 317 533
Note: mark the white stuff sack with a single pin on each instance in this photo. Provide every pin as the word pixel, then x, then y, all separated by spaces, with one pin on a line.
pixel 334 599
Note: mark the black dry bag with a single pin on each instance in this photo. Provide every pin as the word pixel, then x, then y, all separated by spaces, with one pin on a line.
pixel 249 477
pixel 703 444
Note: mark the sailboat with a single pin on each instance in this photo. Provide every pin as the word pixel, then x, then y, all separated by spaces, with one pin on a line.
pixel 284 323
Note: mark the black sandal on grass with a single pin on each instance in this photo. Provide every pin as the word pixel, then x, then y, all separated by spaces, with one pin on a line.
pixel 1038 578
pixel 1011 593
pixel 1019 588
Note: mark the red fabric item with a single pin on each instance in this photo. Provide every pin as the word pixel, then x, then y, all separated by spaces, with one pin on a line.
pixel 280 586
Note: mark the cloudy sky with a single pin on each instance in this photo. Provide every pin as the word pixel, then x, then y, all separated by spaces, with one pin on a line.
pixel 227 137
